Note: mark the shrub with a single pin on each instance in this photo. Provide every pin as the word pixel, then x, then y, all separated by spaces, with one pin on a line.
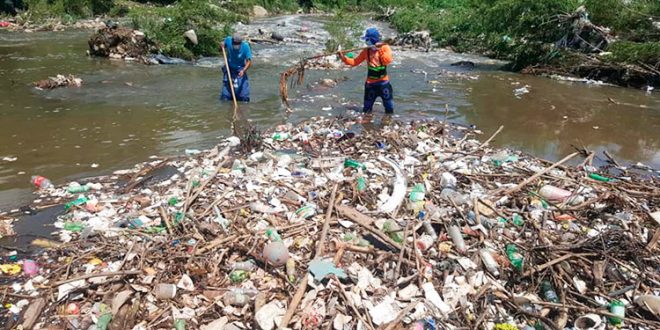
pixel 166 25
pixel 635 53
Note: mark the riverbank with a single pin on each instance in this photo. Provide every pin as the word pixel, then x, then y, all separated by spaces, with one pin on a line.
pixel 613 41
pixel 408 223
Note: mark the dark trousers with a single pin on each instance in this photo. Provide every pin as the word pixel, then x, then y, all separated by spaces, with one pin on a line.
pixel 375 90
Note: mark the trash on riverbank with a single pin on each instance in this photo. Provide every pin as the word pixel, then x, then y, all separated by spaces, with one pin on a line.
pixel 414 40
pixel 121 43
pixel 59 81
pixel 414 224
pixel 6 227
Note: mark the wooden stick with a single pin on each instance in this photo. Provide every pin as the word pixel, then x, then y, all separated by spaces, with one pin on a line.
pixel 231 82
pixel 491 137
pixel 84 277
pixel 218 241
pixel 326 224
pixel 537 175
pixel 297 297
pixel 550 263
pixel 365 222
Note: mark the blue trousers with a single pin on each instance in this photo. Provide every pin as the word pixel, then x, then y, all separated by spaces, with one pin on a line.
pixel 375 90
pixel 241 86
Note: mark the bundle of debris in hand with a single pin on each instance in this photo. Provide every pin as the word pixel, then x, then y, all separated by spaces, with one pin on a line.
pixel 416 225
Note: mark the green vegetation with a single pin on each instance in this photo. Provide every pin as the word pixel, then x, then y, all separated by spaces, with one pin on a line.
pixel 344 29
pixel 166 25
pixel 526 31
pixel 67 9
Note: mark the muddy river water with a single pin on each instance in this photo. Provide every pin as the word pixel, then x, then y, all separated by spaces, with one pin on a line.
pixel 126 112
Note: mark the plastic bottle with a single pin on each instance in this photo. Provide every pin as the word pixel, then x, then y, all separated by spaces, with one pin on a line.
pixel 601 178
pixel 429 229
pixel 248 265
pixel 74 226
pixel 76 202
pixel 619 309
pixel 456 197
pixel 553 193
pixel 41 182
pixel 517 220
pixel 291 270
pixel 392 229
pixel 236 297
pixel 361 184
pixel 515 256
pixel 448 180
pixel 489 262
pixel 75 188
pixel 417 193
pixel 549 292
pixel 425 242
pixel 456 237
pixel 354 164
pixel 281 136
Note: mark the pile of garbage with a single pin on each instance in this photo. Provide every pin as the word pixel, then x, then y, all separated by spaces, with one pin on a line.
pixel 329 225
pixel 121 43
pixel 415 40
pixel 51 24
pixel 59 81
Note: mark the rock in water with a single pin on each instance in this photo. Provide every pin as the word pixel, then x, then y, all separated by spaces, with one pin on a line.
pixel 328 83
pixel 277 36
pixel 258 11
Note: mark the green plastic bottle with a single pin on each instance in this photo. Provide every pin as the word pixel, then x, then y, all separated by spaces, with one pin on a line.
pixel 515 256
pixel 354 164
pixel 619 309
pixel 281 136
pixel 517 220
pixel 75 202
pixel 361 184
pixel 172 201
pixel 74 226
pixel 76 188
pixel 599 177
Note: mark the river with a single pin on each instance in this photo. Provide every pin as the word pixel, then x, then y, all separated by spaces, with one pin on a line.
pixel 126 112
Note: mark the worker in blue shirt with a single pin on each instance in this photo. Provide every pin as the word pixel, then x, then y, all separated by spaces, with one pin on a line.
pixel 239 57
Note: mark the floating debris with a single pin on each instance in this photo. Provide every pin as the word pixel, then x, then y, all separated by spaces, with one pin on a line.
pixel 315 230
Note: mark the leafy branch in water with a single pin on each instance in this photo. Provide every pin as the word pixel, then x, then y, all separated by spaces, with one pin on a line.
pixel 344 29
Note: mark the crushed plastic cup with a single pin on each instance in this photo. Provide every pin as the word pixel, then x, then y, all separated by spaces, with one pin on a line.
pixel 306 212
pixel 164 291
